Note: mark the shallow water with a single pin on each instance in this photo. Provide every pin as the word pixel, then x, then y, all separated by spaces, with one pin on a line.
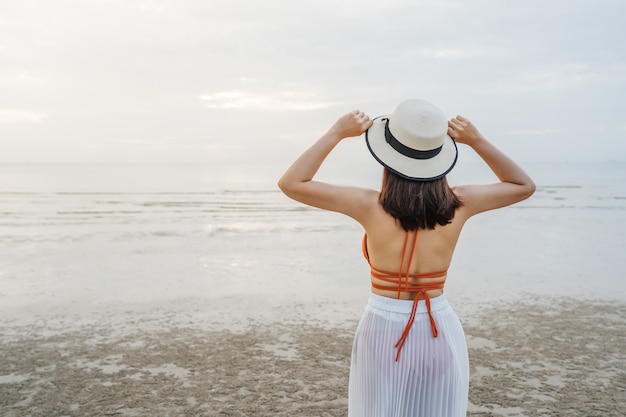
pixel 80 238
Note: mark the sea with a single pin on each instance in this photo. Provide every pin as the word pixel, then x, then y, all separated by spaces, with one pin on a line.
pixel 83 240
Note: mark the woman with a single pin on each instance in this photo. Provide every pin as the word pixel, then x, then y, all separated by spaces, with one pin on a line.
pixel 409 356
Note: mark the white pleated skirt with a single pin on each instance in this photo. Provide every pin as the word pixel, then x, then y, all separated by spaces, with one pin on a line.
pixel 431 376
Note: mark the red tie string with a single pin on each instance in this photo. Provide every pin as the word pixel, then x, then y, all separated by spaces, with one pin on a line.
pixel 394 281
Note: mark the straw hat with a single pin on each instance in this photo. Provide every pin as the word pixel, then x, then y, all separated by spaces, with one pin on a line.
pixel 413 141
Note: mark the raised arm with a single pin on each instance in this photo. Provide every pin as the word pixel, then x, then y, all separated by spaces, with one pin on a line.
pixel 515 185
pixel 297 182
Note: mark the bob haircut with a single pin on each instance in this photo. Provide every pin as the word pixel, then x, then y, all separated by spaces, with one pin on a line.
pixel 418 204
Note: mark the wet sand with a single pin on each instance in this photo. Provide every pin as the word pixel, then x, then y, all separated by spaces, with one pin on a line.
pixel 567 359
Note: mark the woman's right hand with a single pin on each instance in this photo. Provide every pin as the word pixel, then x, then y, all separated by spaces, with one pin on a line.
pixel 463 131
pixel 351 124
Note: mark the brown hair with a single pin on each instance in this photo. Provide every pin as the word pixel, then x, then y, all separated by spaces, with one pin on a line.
pixel 418 204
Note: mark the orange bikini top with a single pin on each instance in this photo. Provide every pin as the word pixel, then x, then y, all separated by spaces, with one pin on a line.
pixel 402 282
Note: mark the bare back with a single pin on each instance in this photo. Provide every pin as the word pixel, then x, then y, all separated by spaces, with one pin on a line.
pixel 386 240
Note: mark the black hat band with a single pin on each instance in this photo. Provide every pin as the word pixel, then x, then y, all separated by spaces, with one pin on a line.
pixel 405 150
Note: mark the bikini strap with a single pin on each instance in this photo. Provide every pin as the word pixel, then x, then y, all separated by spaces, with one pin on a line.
pixel 408 267
pixel 402 283
pixel 366 254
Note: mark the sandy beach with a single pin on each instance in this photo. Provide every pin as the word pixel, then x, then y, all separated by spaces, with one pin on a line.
pixel 563 358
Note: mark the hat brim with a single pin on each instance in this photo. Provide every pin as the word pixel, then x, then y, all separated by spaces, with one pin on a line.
pixel 412 169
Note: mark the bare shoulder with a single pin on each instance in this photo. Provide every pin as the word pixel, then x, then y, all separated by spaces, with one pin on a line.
pixel 483 197
pixel 363 205
pixel 355 202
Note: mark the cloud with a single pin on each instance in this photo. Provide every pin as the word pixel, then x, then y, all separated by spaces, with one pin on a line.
pixel 280 101
pixel 554 78
pixel 444 53
pixel 221 148
pixel 557 78
pixel 150 6
pixel 534 132
pixel 20 116
pixel 144 71
pixel 22 78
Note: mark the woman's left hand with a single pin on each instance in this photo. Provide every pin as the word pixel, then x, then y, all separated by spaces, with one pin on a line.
pixel 352 124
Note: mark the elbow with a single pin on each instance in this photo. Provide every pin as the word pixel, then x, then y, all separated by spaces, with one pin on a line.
pixel 291 188
pixel 529 188
pixel 282 185
pixel 285 186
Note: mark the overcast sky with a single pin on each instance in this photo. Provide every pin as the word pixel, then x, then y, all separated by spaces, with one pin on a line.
pixel 250 81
